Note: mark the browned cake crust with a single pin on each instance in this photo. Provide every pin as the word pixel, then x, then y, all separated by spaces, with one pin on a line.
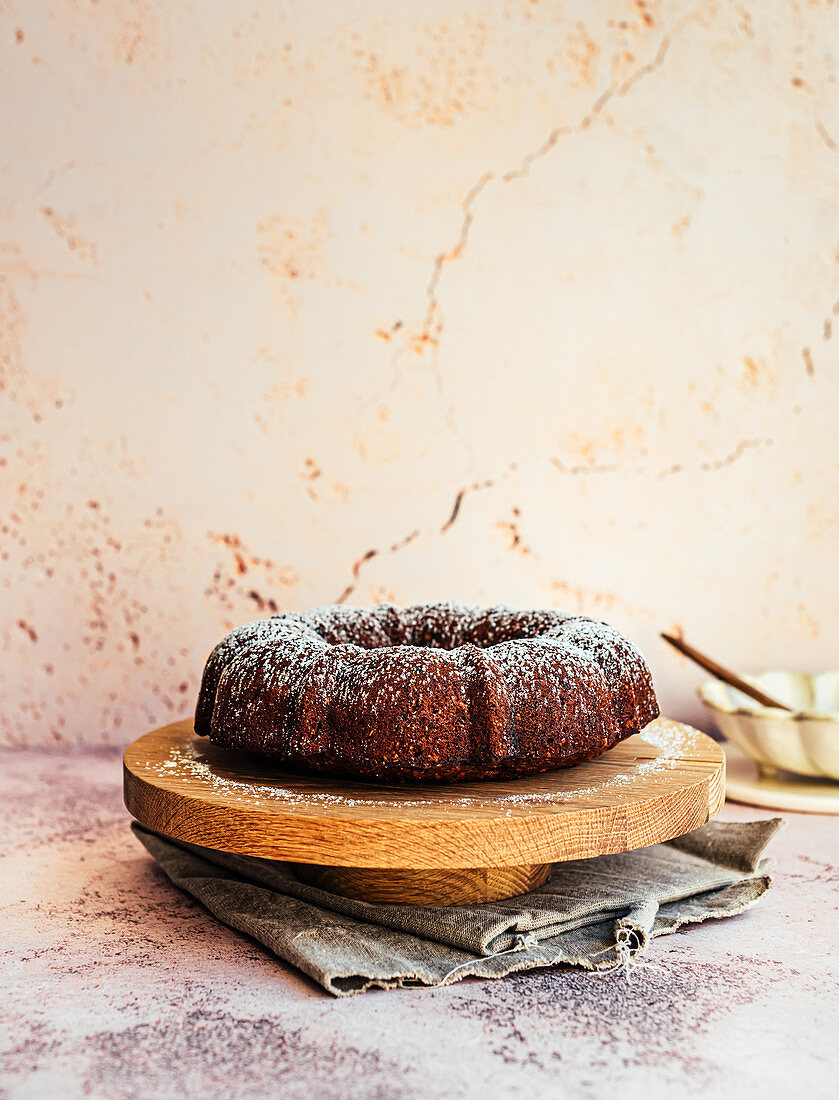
pixel 431 692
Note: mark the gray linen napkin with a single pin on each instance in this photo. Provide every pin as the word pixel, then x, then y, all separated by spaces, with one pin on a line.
pixel 594 913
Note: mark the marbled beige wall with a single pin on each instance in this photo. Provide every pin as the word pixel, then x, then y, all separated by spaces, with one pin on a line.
pixel 519 302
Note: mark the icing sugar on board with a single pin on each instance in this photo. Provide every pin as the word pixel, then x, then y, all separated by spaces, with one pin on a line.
pixel 660 783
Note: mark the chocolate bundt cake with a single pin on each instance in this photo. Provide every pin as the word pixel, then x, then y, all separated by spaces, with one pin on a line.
pixel 432 692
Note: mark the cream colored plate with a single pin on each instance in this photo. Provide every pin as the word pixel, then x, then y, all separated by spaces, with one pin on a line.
pixel 785 791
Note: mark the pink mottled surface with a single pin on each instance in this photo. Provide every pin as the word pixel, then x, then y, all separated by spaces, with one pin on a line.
pixel 118 986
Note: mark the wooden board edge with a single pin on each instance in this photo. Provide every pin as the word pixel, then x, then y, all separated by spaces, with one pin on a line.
pixel 448 844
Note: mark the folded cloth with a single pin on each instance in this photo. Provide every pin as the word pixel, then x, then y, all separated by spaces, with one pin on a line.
pixel 598 913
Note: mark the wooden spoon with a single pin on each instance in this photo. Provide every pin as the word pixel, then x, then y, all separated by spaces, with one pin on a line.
pixel 724 674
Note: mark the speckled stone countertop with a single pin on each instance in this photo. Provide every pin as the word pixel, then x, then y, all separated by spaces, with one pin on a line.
pixel 118 986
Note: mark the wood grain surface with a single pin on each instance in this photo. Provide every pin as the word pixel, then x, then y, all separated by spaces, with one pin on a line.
pixel 660 783
pixel 403 886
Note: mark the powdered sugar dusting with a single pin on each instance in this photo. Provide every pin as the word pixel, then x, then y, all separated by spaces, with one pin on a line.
pixel 670 740
pixel 442 691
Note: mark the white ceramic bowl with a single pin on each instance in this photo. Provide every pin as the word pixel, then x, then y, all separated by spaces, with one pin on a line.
pixel 806 741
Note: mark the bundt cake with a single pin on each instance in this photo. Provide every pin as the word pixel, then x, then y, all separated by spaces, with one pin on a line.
pixel 432 692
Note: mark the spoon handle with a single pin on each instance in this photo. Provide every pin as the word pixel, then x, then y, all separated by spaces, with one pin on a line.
pixel 724 674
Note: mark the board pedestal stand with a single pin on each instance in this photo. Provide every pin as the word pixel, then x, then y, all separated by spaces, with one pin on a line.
pixel 403 886
pixel 454 844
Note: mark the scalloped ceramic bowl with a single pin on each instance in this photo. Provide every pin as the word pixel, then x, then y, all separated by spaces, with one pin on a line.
pixel 805 741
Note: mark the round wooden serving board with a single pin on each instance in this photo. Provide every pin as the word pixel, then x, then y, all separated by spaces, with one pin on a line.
pixel 390 843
